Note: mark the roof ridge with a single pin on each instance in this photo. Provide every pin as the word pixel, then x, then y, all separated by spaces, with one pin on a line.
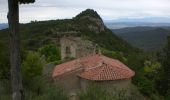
pixel 101 69
pixel 124 68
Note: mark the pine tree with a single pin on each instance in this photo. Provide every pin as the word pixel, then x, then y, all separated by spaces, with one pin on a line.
pixel 164 82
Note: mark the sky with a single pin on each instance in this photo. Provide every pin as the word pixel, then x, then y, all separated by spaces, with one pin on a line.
pixel 107 9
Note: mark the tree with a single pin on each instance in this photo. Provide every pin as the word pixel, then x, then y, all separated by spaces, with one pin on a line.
pixel 163 83
pixel 13 21
pixel 51 52
pixel 4 62
pixel 151 68
pixel 166 66
pixel 32 66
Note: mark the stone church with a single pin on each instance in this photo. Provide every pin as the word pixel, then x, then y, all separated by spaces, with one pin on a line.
pixel 89 66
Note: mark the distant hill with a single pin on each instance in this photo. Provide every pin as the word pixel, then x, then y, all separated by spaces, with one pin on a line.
pixel 3 26
pixel 146 38
pixel 118 25
pixel 87 24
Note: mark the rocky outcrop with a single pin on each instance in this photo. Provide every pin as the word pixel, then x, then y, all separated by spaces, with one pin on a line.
pixel 92 20
pixel 96 24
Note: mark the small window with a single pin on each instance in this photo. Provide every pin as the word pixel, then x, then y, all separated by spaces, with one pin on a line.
pixel 68 50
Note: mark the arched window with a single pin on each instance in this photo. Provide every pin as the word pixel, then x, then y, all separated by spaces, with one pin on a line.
pixel 68 52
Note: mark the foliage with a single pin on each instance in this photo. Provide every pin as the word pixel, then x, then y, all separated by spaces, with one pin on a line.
pixel 139 65
pixel 32 65
pixel 150 66
pixel 145 75
pixel 115 55
pixel 88 12
pixel 57 62
pixel 163 83
pixel 5 91
pixel 95 92
pixel 144 85
pixel 38 89
pixel 53 92
pixel 142 37
pixel 151 69
pixel 4 61
pixel 51 52
pixel 44 34
pixel 44 90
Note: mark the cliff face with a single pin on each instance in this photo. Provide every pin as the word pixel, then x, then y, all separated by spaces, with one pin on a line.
pixel 91 20
pixel 98 25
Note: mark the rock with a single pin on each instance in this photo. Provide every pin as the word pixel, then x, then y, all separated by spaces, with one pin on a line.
pixel 92 20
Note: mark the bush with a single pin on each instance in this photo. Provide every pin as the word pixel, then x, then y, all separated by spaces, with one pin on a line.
pixel 51 53
pixel 95 92
pixel 4 62
pixel 115 55
pixel 43 90
pixel 32 66
pixel 5 90
pixel 53 92
pixel 57 62
pixel 144 85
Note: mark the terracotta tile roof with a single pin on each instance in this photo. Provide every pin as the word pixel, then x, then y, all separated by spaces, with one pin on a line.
pixel 66 67
pixel 90 61
pixel 106 72
pixel 96 67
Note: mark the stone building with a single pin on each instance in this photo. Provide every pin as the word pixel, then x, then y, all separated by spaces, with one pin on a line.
pixel 89 67
pixel 75 47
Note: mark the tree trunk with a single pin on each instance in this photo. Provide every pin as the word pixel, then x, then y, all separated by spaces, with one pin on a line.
pixel 13 21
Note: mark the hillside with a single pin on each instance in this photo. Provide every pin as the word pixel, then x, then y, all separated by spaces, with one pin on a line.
pixel 41 40
pixel 120 24
pixel 87 24
pixel 146 38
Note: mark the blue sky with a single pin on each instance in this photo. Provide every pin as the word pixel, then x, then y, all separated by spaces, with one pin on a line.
pixel 108 9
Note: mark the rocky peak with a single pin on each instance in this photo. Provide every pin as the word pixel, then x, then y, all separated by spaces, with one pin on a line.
pixel 89 13
pixel 92 20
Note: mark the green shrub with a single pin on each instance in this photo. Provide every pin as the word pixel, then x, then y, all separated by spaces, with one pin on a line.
pixel 51 52
pixel 115 55
pixel 57 62
pixel 46 91
pixel 4 62
pixel 32 65
pixel 95 92
pixel 5 90
pixel 53 92
pixel 144 85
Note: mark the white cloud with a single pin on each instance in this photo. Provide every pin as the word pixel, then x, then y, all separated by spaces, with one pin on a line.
pixel 108 9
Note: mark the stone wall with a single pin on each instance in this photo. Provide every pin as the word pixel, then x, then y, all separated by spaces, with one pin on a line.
pixel 70 81
pixel 109 86
pixel 73 84
pixel 78 48
pixel 71 45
